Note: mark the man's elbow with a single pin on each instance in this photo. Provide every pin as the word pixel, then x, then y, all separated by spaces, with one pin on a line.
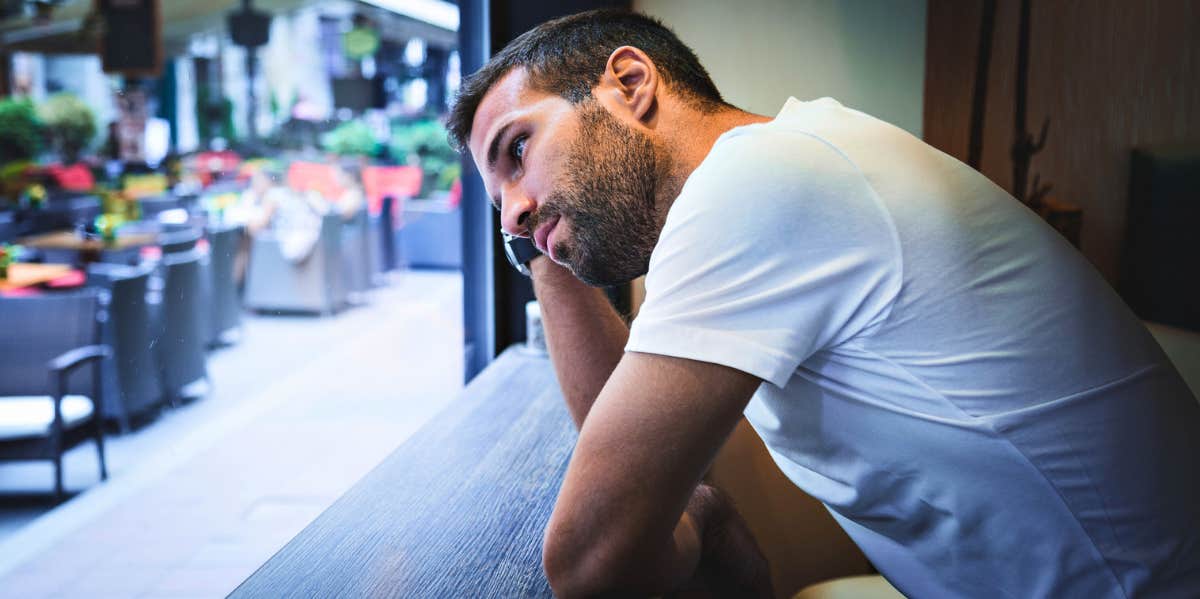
pixel 578 567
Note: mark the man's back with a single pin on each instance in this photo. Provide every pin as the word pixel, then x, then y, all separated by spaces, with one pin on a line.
pixel 974 404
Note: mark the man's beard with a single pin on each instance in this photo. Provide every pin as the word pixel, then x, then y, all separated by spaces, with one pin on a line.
pixel 608 196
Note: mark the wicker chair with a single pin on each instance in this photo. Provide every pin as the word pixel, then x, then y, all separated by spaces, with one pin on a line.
pixel 224 243
pixel 132 386
pixel 183 334
pixel 44 411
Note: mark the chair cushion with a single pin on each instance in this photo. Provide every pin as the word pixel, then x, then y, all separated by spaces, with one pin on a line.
pixel 74 278
pixel 852 587
pixel 33 415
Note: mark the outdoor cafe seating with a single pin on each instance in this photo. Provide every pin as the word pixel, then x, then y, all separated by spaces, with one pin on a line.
pixel 181 336
pixel 50 391
pixel 132 383
pixel 104 330
pixel 312 283
pixel 152 303
pixel 226 316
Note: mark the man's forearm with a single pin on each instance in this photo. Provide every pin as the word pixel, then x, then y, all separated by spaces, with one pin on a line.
pixel 585 334
pixel 711 554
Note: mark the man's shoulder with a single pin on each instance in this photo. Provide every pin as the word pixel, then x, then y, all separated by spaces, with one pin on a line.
pixel 769 173
pixel 775 143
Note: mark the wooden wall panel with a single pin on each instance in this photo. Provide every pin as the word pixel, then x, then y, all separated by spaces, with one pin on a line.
pixel 1110 75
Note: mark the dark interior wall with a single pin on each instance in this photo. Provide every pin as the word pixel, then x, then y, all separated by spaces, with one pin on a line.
pixel 1110 75
pixel 494 294
pixel 509 19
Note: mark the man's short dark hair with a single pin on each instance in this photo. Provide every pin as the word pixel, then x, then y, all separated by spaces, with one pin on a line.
pixel 567 56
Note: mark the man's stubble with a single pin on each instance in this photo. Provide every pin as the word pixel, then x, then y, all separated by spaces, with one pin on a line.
pixel 608 195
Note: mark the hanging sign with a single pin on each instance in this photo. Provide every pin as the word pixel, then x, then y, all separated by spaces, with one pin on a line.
pixel 360 42
pixel 131 43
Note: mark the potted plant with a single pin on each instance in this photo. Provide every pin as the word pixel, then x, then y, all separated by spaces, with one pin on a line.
pixel 70 123
pixel 425 142
pixel 20 142
pixel 20 131
pixel 352 138
pixel 8 254
pixel 106 226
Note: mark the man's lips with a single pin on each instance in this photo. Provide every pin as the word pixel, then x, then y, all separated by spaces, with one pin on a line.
pixel 541 236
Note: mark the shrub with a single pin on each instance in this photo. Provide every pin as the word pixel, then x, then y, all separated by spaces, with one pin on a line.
pixel 70 123
pixel 352 138
pixel 427 141
pixel 20 131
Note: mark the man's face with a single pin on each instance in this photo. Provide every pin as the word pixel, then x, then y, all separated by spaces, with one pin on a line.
pixel 573 177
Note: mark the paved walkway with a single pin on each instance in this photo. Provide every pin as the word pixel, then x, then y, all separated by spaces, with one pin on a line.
pixel 196 501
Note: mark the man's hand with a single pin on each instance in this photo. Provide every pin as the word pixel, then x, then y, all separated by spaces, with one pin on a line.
pixel 731 563
pixel 585 335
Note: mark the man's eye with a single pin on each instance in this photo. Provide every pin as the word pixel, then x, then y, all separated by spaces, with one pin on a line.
pixel 517 148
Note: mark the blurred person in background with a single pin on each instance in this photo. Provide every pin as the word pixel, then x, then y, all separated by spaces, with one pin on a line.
pixel 268 207
pixel 351 198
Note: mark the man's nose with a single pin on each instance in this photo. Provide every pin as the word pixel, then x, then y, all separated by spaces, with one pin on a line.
pixel 515 211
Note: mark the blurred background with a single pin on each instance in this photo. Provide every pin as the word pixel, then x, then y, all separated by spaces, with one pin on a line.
pixel 252 209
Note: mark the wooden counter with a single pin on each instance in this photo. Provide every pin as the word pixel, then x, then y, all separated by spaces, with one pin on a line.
pixel 457 511
pixel 69 240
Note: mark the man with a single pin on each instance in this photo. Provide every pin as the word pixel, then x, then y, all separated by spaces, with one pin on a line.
pixel 971 401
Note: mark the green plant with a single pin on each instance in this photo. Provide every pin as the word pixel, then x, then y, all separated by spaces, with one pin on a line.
pixel 352 138
pixel 426 140
pixel 214 115
pixel 20 130
pixel 14 179
pixel 70 123
pixel 107 225
pixel 448 175
pixel 8 254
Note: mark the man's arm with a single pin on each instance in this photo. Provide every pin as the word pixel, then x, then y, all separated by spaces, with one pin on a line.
pixel 713 551
pixel 620 524
pixel 585 334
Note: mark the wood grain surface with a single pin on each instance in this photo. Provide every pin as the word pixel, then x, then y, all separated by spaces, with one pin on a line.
pixel 457 511
pixel 1111 75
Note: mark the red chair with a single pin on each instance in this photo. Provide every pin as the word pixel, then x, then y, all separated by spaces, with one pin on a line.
pixel 400 182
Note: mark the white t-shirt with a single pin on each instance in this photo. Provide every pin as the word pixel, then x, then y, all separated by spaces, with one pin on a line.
pixel 970 399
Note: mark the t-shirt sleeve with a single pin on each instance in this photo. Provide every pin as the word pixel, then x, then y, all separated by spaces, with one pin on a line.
pixel 777 247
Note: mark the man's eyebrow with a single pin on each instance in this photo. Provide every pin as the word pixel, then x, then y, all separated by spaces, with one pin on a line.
pixel 494 148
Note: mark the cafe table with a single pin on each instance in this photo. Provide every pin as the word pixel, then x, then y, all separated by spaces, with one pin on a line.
pixel 458 510
pixel 23 274
pixel 70 240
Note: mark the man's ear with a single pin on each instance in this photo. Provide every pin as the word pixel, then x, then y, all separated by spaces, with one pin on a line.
pixel 630 84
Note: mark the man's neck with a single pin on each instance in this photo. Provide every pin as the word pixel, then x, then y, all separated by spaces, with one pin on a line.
pixel 686 142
